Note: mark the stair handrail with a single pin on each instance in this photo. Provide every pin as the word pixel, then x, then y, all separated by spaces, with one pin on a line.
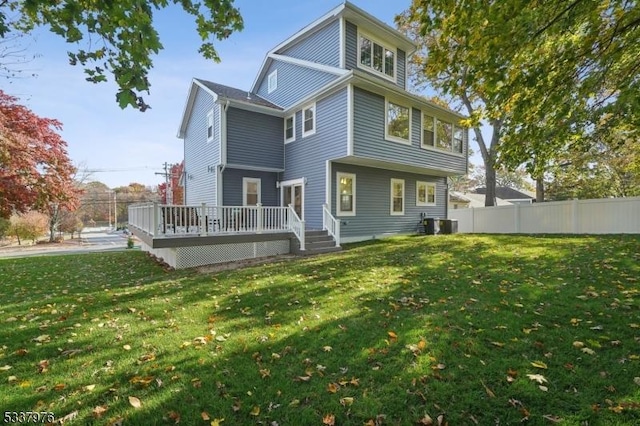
pixel 296 225
pixel 330 224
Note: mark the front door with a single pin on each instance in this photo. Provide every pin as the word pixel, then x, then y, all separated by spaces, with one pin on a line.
pixel 292 194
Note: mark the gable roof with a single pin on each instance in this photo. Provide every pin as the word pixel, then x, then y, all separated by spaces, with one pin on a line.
pixel 345 10
pixel 232 93
pixel 506 193
pixel 220 92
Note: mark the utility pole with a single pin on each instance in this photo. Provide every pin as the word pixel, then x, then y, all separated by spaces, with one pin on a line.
pixel 166 175
pixel 115 210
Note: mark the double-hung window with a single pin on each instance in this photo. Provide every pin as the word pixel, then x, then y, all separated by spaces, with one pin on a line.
pixel 397 197
pixel 290 128
pixel 398 122
pixel 428 134
pixel 376 56
pixel 210 126
pixel 251 191
pixel 458 141
pixel 425 193
pixel 345 194
pixel 309 120
pixel 444 132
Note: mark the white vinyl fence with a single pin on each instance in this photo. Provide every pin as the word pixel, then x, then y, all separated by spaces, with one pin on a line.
pixel 602 216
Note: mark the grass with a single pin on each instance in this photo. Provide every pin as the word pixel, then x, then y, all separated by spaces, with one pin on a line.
pixel 482 329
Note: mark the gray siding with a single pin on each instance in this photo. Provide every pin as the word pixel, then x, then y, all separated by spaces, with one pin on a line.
pixel 254 139
pixel 294 83
pixel 323 46
pixel 232 184
pixel 351 48
pixel 201 157
pixel 369 138
pixel 401 65
pixel 306 157
pixel 373 202
pixel 351 56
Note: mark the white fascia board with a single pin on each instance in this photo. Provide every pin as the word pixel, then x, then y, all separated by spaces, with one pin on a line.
pixel 255 168
pixel 263 69
pixel 247 106
pixel 308 64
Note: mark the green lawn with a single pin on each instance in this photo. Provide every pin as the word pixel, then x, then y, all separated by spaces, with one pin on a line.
pixel 483 329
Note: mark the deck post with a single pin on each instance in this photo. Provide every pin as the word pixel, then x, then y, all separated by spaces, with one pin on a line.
pixel 302 235
pixel 259 218
pixel 154 219
pixel 203 221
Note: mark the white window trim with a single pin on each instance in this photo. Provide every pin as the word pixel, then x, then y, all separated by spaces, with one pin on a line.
pixel 315 115
pixel 245 182
pixel 292 138
pixel 435 135
pixel 427 184
pixel 272 81
pixel 387 136
pixel 352 176
pixel 210 123
pixel 453 133
pixel 404 199
pixel 385 46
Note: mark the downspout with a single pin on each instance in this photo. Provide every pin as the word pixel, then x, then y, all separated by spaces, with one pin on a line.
pixel 223 152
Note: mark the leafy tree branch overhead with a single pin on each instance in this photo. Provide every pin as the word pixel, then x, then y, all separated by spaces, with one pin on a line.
pixel 118 37
pixel 546 76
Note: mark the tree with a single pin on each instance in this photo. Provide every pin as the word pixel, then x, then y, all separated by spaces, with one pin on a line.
pixel 70 222
pixel 609 168
pixel 35 170
pixel 28 226
pixel 448 61
pixel 118 36
pixel 547 76
pixel 516 179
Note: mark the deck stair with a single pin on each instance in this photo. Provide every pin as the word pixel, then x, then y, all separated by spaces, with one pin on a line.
pixel 316 242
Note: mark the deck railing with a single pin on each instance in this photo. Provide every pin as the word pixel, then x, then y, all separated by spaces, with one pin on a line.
pixel 331 224
pixel 164 220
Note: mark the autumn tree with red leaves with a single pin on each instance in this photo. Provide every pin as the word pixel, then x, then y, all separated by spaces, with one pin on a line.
pixel 35 170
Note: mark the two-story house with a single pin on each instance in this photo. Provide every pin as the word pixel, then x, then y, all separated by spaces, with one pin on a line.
pixel 328 122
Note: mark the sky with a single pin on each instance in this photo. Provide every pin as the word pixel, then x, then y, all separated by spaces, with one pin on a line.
pixel 122 146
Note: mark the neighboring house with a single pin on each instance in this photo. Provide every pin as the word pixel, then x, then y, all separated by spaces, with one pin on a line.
pixel 511 195
pixel 327 122
pixel 459 200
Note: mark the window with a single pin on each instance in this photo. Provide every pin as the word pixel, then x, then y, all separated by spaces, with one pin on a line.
pixel 346 194
pixel 272 82
pixel 250 191
pixel 397 197
pixel 427 130
pixel 425 194
pixel 290 128
pixel 309 120
pixel 398 122
pixel 444 134
pixel 458 144
pixel 377 57
pixel 210 126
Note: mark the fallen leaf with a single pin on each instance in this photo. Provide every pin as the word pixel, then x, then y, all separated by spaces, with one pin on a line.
pixel 327 348
pixel 59 387
pixel 393 335
pixel 5 368
pixel 543 388
pixel 537 377
pixel 216 422
pixel 127 347
pixel 175 416
pixel 346 401
pixel 255 411
pixel 636 380
pixel 89 387
pixel 498 344
pixel 426 420
pixel 12 379
pixel 42 339
pixel 205 416
pixel 578 344
pixel 135 402
pixel 99 411
pixel 329 420
pixel 588 351
pixel 539 364
pixel 552 418
pixel 332 388
pixel 487 390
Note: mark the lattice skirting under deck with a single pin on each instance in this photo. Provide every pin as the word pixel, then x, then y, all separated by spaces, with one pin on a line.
pixel 189 257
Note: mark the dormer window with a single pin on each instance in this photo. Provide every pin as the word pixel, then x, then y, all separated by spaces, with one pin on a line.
pixel 272 81
pixel 376 56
